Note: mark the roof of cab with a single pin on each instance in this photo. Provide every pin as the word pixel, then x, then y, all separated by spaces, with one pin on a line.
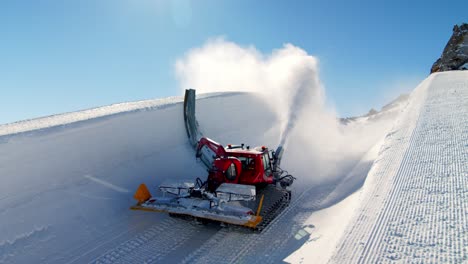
pixel 254 151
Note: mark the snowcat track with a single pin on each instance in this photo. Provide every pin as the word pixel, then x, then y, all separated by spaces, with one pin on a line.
pixel 274 202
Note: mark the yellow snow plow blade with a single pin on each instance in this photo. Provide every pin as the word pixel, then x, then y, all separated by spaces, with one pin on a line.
pixel 142 194
pixel 252 223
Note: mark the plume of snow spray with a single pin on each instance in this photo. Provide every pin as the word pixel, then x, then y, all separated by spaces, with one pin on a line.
pixel 306 88
pixel 287 80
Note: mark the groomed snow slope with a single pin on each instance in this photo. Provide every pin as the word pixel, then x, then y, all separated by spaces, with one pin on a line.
pixel 65 190
pixel 67 182
pixel 414 203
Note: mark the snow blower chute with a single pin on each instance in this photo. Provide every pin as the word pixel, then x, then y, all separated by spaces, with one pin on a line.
pixel 245 186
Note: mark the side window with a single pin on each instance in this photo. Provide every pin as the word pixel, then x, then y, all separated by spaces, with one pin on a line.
pixel 247 163
pixel 266 162
pixel 231 172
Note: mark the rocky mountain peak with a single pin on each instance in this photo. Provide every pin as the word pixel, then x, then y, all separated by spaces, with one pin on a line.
pixel 455 54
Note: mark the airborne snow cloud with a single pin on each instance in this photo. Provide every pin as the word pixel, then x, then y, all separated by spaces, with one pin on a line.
pixel 288 80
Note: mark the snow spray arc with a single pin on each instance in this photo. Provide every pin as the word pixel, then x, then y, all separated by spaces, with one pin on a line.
pixel 287 78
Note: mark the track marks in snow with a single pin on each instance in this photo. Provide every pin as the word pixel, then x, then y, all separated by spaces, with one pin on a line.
pixel 417 210
pixel 379 181
pixel 288 232
pixel 202 253
pixel 21 243
pixel 279 239
pixel 428 220
pixel 152 245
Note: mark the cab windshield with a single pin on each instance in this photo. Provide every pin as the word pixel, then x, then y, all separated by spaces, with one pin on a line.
pixel 266 162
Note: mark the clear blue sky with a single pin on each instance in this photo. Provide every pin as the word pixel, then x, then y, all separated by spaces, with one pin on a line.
pixel 61 56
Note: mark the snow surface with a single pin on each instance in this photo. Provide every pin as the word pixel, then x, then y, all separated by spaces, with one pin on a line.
pixel 94 113
pixel 66 186
pixel 414 203
pixel 412 207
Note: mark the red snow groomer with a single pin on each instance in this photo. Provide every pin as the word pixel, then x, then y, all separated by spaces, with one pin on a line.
pixel 245 186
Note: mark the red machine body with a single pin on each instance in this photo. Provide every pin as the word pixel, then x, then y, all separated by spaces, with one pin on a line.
pixel 235 164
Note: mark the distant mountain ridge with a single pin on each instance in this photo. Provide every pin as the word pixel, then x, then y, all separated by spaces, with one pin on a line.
pixel 389 110
pixel 454 57
pixel 455 54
